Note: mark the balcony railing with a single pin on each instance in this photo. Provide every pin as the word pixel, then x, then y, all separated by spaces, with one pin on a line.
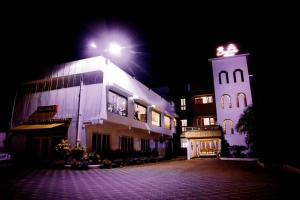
pixel 202 128
pixel 202 132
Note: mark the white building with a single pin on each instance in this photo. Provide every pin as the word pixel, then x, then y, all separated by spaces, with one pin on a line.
pixel 92 102
pixel 232 94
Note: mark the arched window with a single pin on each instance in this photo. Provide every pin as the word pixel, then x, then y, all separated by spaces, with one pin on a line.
pixel 225 122
pixel 226 97
pixel 241 73
pixel 226 76
pixel 238 99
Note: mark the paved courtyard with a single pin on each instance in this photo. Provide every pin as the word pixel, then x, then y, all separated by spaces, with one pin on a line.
pixel 194 179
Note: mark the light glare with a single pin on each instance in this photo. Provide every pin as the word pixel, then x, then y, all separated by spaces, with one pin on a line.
pixel 93 45
pixel 115 49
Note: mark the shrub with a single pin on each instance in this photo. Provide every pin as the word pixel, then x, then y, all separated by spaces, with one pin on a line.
pixel 236 151
pixel 63 149
pixel 92 158
pixel 154 153
pixel 78 152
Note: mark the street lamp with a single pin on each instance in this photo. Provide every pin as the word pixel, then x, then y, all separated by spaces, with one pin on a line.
pixel 115 49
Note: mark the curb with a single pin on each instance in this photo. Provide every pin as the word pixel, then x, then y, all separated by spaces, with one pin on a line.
pixel 262 165
pixel 240 159
pixel 285 167
pixel 291 169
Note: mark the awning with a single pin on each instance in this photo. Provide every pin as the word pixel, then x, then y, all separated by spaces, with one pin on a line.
pixel 35 126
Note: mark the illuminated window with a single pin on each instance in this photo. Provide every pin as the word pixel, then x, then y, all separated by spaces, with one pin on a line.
pixel 226 98
pixel 225 126
pixel 116 104
pixel 226 76
pixel 203 100
pixel 145 145
pixel 205 121
pixel 167 121
pixel 183 125
pixel 140 112
pixel 241 75
pixel 183 104
pixel 155 118
pixel 183 143
pixel 238 99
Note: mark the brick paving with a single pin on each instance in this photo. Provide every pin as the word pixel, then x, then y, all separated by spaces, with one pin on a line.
pixel 194 179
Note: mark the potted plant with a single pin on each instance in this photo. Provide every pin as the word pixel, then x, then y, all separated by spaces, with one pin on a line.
pixel 63 151
pixel 93 159
pixel 78 161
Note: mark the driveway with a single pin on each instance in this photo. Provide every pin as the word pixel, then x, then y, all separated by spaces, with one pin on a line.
pixel 193 179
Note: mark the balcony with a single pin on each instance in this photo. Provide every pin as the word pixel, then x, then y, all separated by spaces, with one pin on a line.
pixel 212 131
pixel 202 128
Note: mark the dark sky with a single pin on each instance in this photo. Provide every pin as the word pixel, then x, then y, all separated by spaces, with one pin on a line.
pixel 175 39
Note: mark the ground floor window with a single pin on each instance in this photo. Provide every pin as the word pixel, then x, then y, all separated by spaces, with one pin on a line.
pixel 101 143
pixel 183 143
pixel 145 145
pixel 126 144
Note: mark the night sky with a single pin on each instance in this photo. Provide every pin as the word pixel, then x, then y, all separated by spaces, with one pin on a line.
pixel 175 42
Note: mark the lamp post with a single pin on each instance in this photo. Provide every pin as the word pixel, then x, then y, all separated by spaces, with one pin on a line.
pixel 114 49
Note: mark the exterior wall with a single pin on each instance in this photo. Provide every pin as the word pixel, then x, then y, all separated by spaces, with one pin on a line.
pixel 229 64
pixel 203 109
pixel 116 131
pixel 67 101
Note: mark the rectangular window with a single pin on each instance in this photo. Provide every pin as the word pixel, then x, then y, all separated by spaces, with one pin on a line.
pixel 205 121
pixel 183 104
pixel 167 121
pixel 183 143
pixel 155 118
pixel 183 124
pixel 117 104
pixel 101 143
pixel 140 112
pixel 145 145
pixel 203 100
pixel 126 144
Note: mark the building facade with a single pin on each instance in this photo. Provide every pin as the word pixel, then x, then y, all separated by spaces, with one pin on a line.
pixel 232 94
pixel 200 135
pixel 94 103
pixel 205 114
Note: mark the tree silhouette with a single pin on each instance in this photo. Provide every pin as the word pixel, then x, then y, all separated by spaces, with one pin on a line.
pixel 246 125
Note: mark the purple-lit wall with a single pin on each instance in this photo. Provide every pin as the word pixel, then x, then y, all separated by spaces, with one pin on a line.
pixel 230 64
